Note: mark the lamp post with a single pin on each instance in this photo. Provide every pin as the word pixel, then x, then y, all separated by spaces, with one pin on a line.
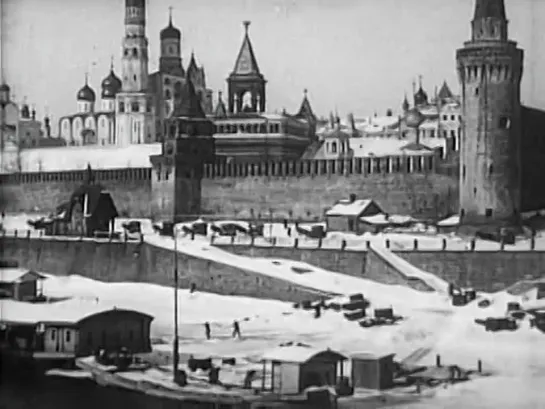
pixel 176 357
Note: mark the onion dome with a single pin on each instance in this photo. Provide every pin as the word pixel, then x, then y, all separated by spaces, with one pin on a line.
pixel 86 93
pixel 170 31
pixel 421 98
pixel 414 118
pixel 111 85
pixel 4 88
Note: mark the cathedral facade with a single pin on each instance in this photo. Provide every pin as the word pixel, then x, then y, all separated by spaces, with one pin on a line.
pixel 133 108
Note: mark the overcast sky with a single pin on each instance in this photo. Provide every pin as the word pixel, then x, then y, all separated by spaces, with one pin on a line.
pixel 352 55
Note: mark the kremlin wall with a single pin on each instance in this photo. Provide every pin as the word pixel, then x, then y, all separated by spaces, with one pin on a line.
pixel 302 189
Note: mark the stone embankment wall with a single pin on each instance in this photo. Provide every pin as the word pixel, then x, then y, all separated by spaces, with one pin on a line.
pixel 119 261
pixel 484 270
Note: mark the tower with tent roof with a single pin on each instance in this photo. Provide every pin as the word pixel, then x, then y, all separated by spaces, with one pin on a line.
pixel 177 172
pixel 246 80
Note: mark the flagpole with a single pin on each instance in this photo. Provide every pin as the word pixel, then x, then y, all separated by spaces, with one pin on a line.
pixel 176 357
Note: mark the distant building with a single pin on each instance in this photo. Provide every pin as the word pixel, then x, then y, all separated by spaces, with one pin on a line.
pixel 244 131
pixel 133 108
pixel 20 129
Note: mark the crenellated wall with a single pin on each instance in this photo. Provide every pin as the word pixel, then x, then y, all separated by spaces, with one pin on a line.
pixel 301 189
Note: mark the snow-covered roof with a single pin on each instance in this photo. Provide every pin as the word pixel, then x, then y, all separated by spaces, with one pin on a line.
pixel 299 354
pixel 377 219
pixel 429 124
pixel 12 275
pixel 79 157
pixel 384 219
pixel 379 146
pixel 67 312
pixel 453 220
pixel 347 208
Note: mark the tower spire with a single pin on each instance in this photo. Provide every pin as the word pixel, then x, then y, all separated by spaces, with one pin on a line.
pixel 246 24
pixel 112 63
pixel 170 16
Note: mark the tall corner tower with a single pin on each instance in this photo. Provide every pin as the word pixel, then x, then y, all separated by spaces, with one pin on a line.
pixel 490 70
pixel 135 57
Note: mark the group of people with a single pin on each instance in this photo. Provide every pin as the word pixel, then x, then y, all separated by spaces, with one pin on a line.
pixel 236 330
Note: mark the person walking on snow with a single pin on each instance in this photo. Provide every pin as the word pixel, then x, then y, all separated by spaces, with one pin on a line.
pixel 236 329
pixel 207 329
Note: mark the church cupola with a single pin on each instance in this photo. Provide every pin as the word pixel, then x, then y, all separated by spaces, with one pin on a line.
pixel 420 97
pixel 170 61
pixel 111 85
pixel 25 111
pixel 86 98
pixel 5 93
pixel 170 32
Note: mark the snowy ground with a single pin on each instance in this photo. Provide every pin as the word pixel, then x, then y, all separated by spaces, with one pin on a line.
pixel 516 358
pixel 427 240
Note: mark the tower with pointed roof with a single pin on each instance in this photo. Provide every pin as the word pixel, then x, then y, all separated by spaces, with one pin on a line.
pixel 177 172
pixel 420 96
pixel 490 70
pixel 246 80
pixel 170 61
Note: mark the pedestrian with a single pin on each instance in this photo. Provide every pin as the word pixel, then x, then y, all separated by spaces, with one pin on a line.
pixel 317 311
pixel 3 215
pixel 236 329
pixel 192 288
pixel 207 330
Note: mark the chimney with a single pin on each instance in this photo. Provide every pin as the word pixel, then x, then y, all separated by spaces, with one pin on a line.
pixel 352 197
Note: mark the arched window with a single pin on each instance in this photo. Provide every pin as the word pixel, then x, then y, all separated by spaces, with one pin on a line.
pixel 334 147
pixel 168 95
pixel 167 81
pixel 135 52
pixel 491 170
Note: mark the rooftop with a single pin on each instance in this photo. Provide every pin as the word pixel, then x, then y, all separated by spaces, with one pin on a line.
pixel 13 275
pixel 300 354
pixel 347 208
pixel 67 312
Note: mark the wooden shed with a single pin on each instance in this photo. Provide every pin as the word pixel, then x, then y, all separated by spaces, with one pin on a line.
pixel 372 371
pixel 66 330
pixel 20 284
pixel 296 367
pixel 345 215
